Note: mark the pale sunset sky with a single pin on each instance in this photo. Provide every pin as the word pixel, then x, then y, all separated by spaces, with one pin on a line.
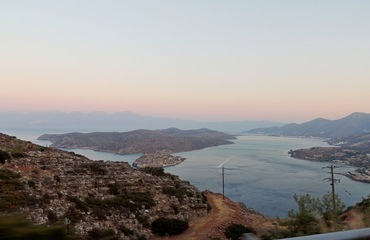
pixel 280 60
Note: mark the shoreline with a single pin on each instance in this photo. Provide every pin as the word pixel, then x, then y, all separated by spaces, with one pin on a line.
pixel 157 159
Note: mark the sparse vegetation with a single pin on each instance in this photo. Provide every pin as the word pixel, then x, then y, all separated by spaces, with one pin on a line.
pixel 4 156
pixel 10 196
pixel 179 192
pixel 17 151
pixel 155 171
pixel 314 215
pixel 125 230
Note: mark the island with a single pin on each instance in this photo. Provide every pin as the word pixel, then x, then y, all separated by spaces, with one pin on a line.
pixel 142 141
pixel 157 159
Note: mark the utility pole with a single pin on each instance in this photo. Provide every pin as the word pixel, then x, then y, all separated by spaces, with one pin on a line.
pixel 223 182
pixel 333 181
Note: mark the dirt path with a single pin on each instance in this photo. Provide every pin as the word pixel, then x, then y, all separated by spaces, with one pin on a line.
pixel 224 212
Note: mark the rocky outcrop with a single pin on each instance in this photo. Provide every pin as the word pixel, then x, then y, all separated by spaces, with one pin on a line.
pixel 49 186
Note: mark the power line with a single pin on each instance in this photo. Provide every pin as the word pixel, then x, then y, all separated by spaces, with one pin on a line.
pixel 333 181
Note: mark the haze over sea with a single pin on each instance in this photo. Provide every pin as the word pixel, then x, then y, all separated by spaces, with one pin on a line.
pixel 258 170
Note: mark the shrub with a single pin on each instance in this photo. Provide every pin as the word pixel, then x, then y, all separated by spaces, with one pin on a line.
pixel 52 217
pixel 79 204
pixel 144 220
pixel 178 192
pixel 6 174
pixel 95 168
pixel 125 230
pixel 234 231
pixel 168 226
pixel 4 156
pixel 31 183
pixel 113 189
pixel 10 196
pixel 73 215
pixel 17 151
pixel 155 171
pixel 175 208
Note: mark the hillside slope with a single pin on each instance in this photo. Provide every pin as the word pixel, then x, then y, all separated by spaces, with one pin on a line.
pixel 353 124
pixel 49 185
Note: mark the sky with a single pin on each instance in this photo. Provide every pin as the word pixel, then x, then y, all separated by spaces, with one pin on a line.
pixel 289 61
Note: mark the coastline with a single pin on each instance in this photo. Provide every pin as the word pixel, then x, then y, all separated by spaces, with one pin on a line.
pixel 157 159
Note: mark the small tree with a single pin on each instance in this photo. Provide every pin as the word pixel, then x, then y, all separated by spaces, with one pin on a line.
pixel 326 209
pixel 305 220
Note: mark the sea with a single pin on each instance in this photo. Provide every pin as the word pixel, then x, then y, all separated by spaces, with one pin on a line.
pixel 255 170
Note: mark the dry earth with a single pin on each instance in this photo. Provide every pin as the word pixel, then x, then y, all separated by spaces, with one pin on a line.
pixel 224 212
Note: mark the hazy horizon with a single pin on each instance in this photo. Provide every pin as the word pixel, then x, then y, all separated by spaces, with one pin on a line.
pixel 110 114
pixel 283 61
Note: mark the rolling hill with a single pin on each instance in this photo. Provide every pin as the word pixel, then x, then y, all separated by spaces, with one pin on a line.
pixel 141 141
pixel 351 125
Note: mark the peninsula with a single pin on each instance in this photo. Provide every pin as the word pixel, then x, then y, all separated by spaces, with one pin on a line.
pixel 349 137
pixel 353 151
pixel 171 140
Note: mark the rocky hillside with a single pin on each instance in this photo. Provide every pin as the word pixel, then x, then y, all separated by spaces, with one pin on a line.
pixel 141 141
pixel 353 124
pixel 49 185
pixel 112 199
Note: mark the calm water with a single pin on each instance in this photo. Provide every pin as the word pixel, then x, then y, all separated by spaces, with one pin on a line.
pixel 258 171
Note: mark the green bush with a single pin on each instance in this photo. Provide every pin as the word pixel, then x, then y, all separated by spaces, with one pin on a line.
pixel 234 231
pixel 168 226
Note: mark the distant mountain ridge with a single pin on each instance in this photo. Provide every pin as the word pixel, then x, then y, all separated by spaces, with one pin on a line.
pixel 141 141
pixel 354 124
pixel 118 121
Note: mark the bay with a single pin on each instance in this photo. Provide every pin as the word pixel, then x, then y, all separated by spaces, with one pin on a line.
pixel 258 171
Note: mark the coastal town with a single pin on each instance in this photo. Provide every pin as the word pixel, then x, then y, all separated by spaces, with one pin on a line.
pixel 340 156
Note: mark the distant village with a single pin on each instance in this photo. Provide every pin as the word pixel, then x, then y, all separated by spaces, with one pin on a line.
pixel 339 155
pixel 160 158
